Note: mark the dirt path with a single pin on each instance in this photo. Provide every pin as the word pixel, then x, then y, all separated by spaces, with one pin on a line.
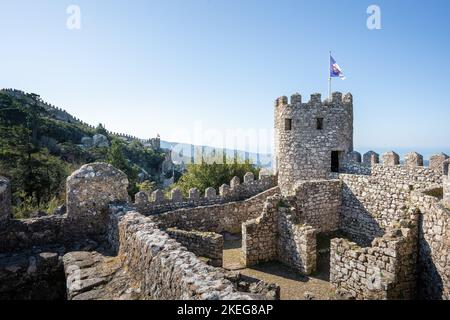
pixel 293 286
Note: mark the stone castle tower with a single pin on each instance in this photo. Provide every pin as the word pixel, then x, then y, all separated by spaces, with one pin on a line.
pixel 311 139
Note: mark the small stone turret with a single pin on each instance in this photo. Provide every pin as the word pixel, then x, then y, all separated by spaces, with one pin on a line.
pixel 312 139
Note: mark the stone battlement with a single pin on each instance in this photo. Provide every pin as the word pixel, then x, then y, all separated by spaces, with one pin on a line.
pixel 315 99
pixel 157 202
pixel 390 165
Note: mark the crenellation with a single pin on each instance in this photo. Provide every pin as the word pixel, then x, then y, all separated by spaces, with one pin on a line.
pixel 176 195
pixel 158 196
pixel 141 198
pixel 371 157
pixel 224 190
pixel 390 158
pixel 235 182
pixel 316 98
pixel 194 194
pixel 336 97
pixel 249 177
pixel 210 193
pixel 281 101
pixel 437 160
pixel 391 222
pixel 296 99
pixel 413 159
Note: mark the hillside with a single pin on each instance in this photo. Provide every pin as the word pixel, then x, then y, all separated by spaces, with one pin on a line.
pixel 41 144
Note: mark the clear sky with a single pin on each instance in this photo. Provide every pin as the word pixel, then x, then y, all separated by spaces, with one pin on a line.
pixel 172 67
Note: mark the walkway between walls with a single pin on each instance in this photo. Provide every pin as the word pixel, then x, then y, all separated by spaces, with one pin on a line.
pixel 293 285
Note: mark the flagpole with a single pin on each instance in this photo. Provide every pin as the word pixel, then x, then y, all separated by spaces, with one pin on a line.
pixel 329 78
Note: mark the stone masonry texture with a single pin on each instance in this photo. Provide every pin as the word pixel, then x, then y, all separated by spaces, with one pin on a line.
pixel 392 216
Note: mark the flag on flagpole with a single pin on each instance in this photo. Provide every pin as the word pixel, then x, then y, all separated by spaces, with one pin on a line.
pixel 335 70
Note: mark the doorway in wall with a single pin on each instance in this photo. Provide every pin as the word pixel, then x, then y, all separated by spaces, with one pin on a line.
pixel 335 161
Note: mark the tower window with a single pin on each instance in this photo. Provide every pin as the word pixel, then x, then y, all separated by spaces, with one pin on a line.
pixel 319 123
pixel 288 124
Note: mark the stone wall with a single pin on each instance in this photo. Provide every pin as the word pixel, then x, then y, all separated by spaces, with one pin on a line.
pixel 277 235
pixel 235 191
pixel 386 270
pixel 164 269
pixel 216 218
pixel 89 192
pixel 203 244
pixel 33 275
pixel 90 189
pixel 370 205
pixel 318 203
pixel 446 191
pixel 434 246
pixel 296 244
pixel 416 176
pixel 306 134
pixel 5 199
pixel 411 170
pixel 259 235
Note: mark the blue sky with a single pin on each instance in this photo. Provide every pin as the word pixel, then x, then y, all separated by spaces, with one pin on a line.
pixel 169 67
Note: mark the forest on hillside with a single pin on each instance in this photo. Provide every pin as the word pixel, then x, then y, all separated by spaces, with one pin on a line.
pixel 38 152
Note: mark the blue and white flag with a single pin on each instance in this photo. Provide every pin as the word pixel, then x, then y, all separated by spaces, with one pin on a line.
pixel 335 70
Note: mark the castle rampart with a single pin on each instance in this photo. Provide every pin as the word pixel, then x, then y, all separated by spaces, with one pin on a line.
pixel 217 218
pixel 236 191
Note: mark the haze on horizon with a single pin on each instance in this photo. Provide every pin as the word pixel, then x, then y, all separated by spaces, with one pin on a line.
pixel 204 71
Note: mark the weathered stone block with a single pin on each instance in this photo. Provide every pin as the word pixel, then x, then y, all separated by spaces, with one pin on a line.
pixel 194 194
pixel 93 187
pixel 210 193
pixel 141 198
pixel 177 195
pixel 437 160
pixel 371 157
pixel 391 158
pixel 249 177
pixel 235 182
pixel 296 98
pixel 413 159
pixel 354 157
pixel 158 196
pixel 336 97
pixel 224 190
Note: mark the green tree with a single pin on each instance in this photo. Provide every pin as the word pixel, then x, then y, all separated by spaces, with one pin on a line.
pixel 205 175
pixel 117 159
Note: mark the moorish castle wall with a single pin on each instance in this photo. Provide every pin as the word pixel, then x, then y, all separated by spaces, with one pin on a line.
pixel 393 217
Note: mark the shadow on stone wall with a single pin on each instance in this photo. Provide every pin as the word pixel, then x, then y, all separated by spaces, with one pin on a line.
pixel 356 222
pixel 430 284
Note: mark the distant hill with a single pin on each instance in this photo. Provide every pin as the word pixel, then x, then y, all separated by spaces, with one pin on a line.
pixel 41 144
pixel 262 160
